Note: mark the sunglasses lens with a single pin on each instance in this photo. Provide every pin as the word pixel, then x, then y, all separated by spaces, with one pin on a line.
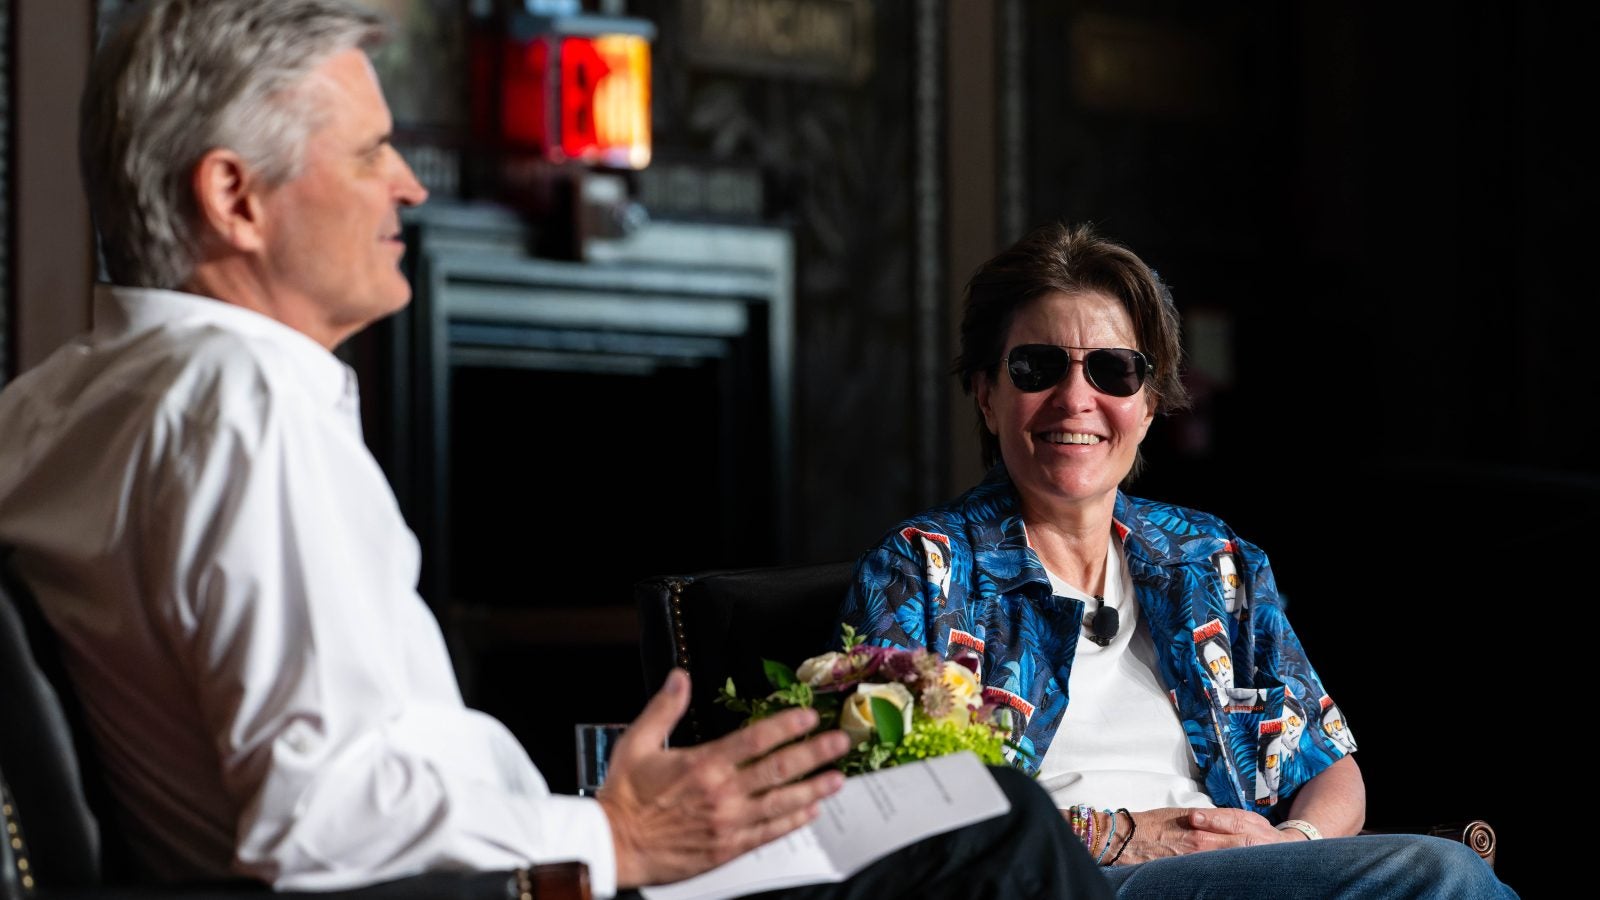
pixel 1116 372
pixel 1035 367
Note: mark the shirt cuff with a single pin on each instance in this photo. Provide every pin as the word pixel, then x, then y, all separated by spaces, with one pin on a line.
pixel 577 828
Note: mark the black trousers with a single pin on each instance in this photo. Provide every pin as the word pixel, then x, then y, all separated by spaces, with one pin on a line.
pixel 1029 852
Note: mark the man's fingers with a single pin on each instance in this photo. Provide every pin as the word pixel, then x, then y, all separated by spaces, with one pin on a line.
pixel 783 801
pixel 785 765
pixel 660 715
pixel 769 830
pixel 759 739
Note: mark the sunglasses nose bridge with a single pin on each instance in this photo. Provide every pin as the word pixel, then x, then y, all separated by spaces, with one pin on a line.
pixel 1075 386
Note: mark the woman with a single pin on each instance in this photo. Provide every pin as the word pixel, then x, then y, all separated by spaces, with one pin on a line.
pixel 1152 681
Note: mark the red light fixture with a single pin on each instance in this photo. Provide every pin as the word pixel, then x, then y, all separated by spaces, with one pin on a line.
pixel 578 89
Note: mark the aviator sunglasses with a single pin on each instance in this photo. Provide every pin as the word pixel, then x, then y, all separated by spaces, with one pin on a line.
pixel 1115 371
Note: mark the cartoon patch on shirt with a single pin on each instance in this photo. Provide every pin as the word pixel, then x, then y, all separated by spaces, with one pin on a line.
pixel 967 650
pixel 1294 724
pixel 936 547
pixel 1234 596
pixel 1211 644
pixel 1334 727
pixel 1269 767
pixel 1003 697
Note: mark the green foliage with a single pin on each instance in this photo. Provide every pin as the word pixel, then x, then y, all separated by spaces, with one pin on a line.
pixel 779 675
pixel 886 717
pixel 941 738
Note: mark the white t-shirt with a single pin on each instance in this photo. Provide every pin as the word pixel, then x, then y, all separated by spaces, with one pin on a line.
pixel 234 587
pixel 1120 743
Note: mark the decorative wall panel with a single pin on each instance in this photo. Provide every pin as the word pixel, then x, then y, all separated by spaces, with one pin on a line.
pixel 845 149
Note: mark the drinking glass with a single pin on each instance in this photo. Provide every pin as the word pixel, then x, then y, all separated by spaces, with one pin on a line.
pixel 595 741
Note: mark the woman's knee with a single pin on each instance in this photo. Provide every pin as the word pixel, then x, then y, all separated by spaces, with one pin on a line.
pixel 1450 868
pixel 1435 853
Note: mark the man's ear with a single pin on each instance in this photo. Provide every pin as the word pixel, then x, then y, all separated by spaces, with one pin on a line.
pixel 228 198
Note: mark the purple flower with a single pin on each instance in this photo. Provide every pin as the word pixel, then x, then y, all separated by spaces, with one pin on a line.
pixel 902 666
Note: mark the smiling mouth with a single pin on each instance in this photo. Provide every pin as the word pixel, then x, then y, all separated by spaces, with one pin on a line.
pixel 1068 437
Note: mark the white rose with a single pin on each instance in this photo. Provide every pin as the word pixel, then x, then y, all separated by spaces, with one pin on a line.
pixel 818 670
pixel 856 717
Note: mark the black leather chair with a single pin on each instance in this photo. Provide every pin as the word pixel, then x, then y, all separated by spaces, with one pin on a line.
pixel 721 624
pixel 54 846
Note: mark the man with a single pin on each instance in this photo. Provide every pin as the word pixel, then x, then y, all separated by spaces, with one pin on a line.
pixel 190 499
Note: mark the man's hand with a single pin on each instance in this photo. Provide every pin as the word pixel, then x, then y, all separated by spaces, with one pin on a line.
pixel 1174 831
pixel 677 813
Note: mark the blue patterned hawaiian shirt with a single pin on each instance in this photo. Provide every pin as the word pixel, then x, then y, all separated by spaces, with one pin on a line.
pixel 961 576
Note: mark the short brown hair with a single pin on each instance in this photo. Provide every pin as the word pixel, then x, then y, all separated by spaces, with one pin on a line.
pixel 1068 260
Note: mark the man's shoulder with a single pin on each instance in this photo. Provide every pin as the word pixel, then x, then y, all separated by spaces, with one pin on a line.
pixel 204 374
pixel 185 373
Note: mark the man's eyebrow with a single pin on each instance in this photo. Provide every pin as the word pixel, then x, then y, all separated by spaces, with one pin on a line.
pixel 386 138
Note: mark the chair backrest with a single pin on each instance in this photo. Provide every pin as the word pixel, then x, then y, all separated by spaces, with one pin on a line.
pixel 718 625
pixel 38 758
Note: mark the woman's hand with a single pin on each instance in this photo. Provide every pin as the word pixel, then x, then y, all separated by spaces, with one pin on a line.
pixel 1175 831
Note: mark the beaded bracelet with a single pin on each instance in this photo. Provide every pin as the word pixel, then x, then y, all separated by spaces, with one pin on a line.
pixel 1083 824
pixel 1127 840
pixel 1100 860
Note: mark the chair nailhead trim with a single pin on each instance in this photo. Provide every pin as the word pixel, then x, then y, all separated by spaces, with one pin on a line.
pixel 23 866
pixel 681 640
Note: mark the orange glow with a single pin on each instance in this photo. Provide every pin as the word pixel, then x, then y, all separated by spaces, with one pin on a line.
pixel 605 100
pixel 584 99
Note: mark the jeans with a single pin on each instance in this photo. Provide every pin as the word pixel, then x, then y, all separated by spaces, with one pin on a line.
pixel 1371 867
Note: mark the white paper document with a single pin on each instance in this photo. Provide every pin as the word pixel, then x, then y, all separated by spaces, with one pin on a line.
pixel 871 816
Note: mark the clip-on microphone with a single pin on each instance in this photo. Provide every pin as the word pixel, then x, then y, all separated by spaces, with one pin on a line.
pixel 1102 623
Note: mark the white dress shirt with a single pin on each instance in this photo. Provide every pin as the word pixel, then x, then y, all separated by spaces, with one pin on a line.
pixel 234 586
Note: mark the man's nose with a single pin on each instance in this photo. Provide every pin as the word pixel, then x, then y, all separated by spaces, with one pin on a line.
pixel 408 190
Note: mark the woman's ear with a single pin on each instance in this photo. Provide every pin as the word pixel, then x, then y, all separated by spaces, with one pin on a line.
pixel 227 200
pixel 982 390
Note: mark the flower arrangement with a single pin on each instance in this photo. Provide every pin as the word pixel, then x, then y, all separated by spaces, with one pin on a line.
pixel 896 706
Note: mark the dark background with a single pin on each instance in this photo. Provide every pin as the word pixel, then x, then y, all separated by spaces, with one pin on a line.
pixel 1387 208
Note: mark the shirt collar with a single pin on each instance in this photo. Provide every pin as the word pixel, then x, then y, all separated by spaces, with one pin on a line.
pixel 1011 563
pixel 120 312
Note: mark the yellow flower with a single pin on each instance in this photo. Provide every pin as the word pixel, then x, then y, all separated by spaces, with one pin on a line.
pixel 962 685
pixel 856 717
